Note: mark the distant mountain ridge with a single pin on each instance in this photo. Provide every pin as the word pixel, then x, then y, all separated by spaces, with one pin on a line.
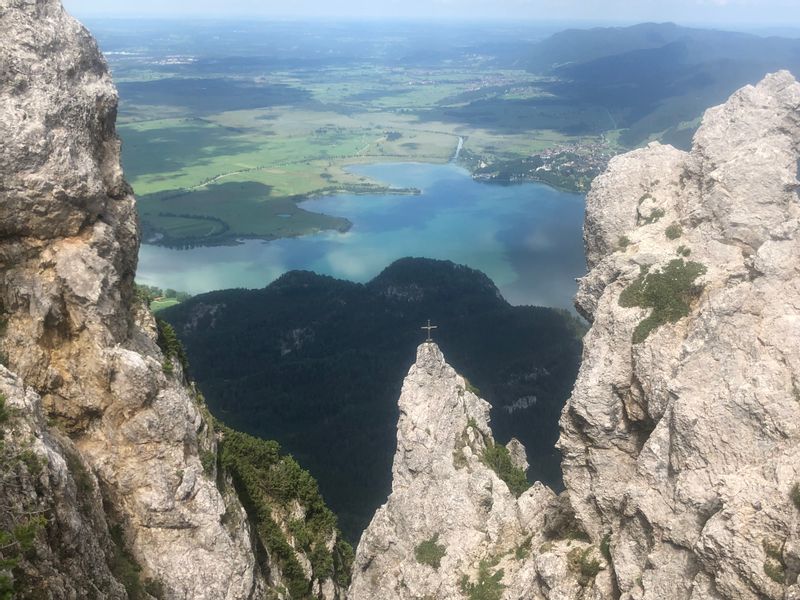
pixel 316 363
pixel 656 79
pixel 584 45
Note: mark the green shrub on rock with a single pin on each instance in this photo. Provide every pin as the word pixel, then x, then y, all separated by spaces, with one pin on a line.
pixel 583 564
pixel 674 231
pixel 669 292
pixel 498 458
pixel 269 482
pixel 488 586
pixel 429 552
pixel 795 495
pixel 774 566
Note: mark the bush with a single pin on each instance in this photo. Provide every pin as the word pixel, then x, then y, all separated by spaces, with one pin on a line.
pixel 488 586
pixel 774 567
pixel 321 561
pixel 668 292
pixel 125 568
pixel 654 216
pixel 155 588
pixel 171 347
pixel 6 586
pixel 605 547
pixel 32 461
pixel 5 414
pixel 524 549
pixel 264 478
pixel 147 293
pixel 623 242
pixel 775 571
pixel 19 537
pixel 83 480
pixel 430 553
pixel 208 459
pixel 583 564
pixel 471 388
pixel 674 231
pixel 499 460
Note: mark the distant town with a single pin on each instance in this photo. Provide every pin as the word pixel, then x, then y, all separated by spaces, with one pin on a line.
pixel 569 167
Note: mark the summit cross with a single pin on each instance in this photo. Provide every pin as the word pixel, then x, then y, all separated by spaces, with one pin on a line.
pixel 429 328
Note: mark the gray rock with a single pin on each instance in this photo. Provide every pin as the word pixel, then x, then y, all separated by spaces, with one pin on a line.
pixel 44 474
pixel 518 454
pixel 73 333
pixel 444 496
pixel 681 446
pixel 684 447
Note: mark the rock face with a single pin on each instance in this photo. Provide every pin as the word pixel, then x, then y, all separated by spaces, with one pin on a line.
pixel 43 474
pixel 73 334
pixel 452 527
pixel 681 440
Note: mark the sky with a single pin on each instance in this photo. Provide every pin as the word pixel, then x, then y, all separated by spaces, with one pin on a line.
pixel 751 13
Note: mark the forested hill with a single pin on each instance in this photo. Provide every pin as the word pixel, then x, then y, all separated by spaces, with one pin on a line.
pixel 317 363
pixel 657 79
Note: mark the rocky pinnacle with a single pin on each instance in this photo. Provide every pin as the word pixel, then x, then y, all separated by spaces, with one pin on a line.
pixel 450 519
pixel 681 440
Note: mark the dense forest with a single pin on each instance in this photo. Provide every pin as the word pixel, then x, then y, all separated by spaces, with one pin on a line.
pixel 317 364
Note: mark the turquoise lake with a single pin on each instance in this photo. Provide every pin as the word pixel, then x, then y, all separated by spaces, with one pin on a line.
pixel 526 237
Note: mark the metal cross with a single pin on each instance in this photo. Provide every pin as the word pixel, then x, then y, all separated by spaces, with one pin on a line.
pixel 429 328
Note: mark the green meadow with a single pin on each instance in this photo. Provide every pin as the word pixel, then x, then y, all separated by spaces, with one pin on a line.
pixel 221 157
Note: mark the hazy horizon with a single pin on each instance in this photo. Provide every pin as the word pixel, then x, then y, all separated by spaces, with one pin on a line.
pixel 742 14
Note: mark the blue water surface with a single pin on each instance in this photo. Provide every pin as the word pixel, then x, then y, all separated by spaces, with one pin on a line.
pixel 526 237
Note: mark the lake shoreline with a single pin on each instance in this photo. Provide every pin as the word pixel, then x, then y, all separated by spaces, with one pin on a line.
pixel 526 237
pixel 367 189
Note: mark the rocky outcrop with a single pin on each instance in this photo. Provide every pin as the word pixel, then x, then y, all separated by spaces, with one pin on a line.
pixel 681 441
pixel 45 485
pixel 72 331
pixel 132 501
pixel 459 521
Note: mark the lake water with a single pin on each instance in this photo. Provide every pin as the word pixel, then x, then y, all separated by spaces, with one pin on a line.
pixel 527 238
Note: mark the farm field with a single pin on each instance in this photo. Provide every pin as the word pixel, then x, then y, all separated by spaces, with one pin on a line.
pixel 226 126
pixel 220 148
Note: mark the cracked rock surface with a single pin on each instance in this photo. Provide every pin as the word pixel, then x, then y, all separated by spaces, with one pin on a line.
pixel 684 447
pixel 681 440
pixel 74 336
pixel 445 496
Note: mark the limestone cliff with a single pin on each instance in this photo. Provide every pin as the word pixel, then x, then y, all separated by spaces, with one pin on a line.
pixel 111 485
pixel 459 521
pixel 72 333
pixel 681 440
